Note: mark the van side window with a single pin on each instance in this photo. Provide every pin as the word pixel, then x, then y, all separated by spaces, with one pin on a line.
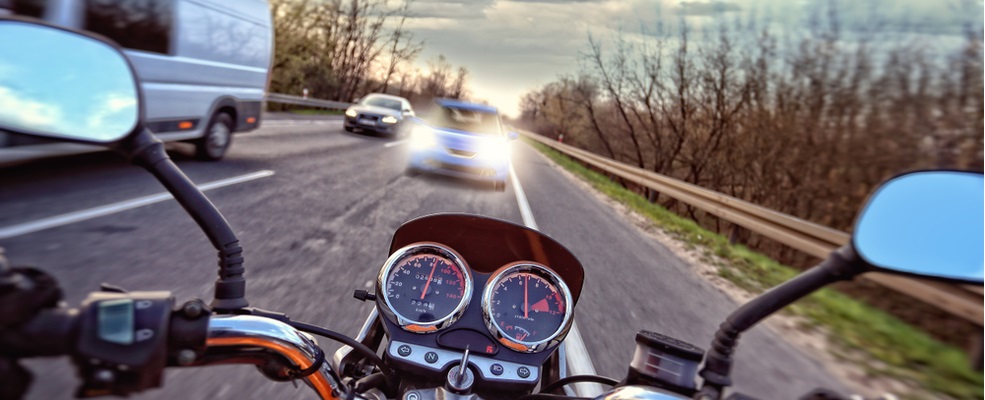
pixel 30 8
pixel 134 24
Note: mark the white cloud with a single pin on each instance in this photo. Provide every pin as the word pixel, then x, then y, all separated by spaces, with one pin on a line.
pixel 449 9
pixel 19 112
pixel 106 118
pixel 521 44
pixel 114 115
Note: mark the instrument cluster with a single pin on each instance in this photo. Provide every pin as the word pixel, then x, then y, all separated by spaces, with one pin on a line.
pixel 427 288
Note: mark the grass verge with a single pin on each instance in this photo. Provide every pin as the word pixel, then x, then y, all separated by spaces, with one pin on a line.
pixel 883 344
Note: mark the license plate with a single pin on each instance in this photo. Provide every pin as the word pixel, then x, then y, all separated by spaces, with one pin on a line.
pixel 367 121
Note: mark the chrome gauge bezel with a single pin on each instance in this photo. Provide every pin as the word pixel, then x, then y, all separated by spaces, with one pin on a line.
pixel 409 324
pixel 506 340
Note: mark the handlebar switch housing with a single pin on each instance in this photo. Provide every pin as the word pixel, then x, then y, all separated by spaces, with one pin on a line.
pixel 122 345
pixel 664 362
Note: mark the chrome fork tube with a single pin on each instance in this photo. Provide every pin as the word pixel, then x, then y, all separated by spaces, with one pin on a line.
pixel 344 350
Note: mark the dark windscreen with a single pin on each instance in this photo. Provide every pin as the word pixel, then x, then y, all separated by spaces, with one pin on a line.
pixel 134 24
pixel 465 120
pixel 383 102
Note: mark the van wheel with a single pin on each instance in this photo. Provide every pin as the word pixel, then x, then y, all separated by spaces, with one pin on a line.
pixel 218 137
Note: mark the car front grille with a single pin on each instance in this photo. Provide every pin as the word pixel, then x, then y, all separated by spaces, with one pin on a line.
pixel 468 170
pixel 462 153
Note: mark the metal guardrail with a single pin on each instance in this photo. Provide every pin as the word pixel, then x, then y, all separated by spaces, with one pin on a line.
pixel 964 301
pixel 301 101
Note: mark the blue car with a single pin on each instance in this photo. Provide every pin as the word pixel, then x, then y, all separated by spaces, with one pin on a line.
pixel 461 139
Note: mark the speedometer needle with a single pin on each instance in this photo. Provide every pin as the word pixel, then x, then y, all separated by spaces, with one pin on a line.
pixel 526 303
pixel 428 283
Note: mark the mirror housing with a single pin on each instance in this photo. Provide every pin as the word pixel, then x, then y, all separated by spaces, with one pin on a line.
pixel 926 224
pixel 66 85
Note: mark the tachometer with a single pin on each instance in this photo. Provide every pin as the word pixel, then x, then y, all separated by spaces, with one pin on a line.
pixel 424 287
pixel 527 307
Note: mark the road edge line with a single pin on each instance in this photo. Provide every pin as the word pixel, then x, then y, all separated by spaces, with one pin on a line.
pixel 579 361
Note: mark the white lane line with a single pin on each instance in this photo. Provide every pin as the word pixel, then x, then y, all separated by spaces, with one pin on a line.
pixel 300 121
pixel 289 123
pixel 521 200
pixel 395 143
pixel 82 215
pixel 579 361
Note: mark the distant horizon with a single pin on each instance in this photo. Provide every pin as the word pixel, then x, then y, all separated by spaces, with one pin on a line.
pixel 511 47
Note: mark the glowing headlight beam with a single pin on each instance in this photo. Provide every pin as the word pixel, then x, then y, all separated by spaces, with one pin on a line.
pixel 497 148
pixel 351 113
pixel 389 119
pixel 422 138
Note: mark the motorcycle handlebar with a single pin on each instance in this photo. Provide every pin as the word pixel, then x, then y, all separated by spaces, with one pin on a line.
pixel 246 333
pixel 57 332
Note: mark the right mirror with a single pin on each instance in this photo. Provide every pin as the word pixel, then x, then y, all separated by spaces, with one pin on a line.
pixel 62 85
pixel 925 223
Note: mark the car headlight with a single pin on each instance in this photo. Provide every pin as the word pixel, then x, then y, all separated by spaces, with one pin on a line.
pixel 389 119
pixel 351 113
pixel 422 138
pixel 495 149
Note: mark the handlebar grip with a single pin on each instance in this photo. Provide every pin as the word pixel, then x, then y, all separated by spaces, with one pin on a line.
pixel 119 342
pixel 49 333
pixel 52 332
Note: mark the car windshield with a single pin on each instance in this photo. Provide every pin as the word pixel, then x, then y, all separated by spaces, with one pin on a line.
pixel 472 121
pixel 382 102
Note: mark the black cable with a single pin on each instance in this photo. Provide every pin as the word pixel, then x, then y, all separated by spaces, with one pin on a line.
pixel 338 337
pixel 315 364
pixel 579 378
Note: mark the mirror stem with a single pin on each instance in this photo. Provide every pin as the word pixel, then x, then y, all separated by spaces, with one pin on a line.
pixel 147 151
pixel 842 264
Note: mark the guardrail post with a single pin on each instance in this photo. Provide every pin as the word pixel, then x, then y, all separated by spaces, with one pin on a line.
pixel 733 234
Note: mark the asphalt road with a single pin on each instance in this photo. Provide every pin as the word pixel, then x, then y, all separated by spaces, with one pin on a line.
pixel 320 226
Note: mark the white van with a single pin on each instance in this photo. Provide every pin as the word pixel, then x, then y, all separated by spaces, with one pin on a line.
pixel 203 64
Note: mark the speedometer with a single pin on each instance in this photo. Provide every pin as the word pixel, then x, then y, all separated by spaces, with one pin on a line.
pixel 527 307
pixel 424 287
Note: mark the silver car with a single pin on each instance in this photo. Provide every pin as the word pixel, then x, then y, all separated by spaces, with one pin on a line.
pixel 379 113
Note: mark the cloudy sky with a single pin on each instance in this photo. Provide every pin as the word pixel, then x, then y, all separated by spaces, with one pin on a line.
pixel 512 46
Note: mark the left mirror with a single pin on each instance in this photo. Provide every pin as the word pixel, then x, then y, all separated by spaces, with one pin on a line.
pixel 64 85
